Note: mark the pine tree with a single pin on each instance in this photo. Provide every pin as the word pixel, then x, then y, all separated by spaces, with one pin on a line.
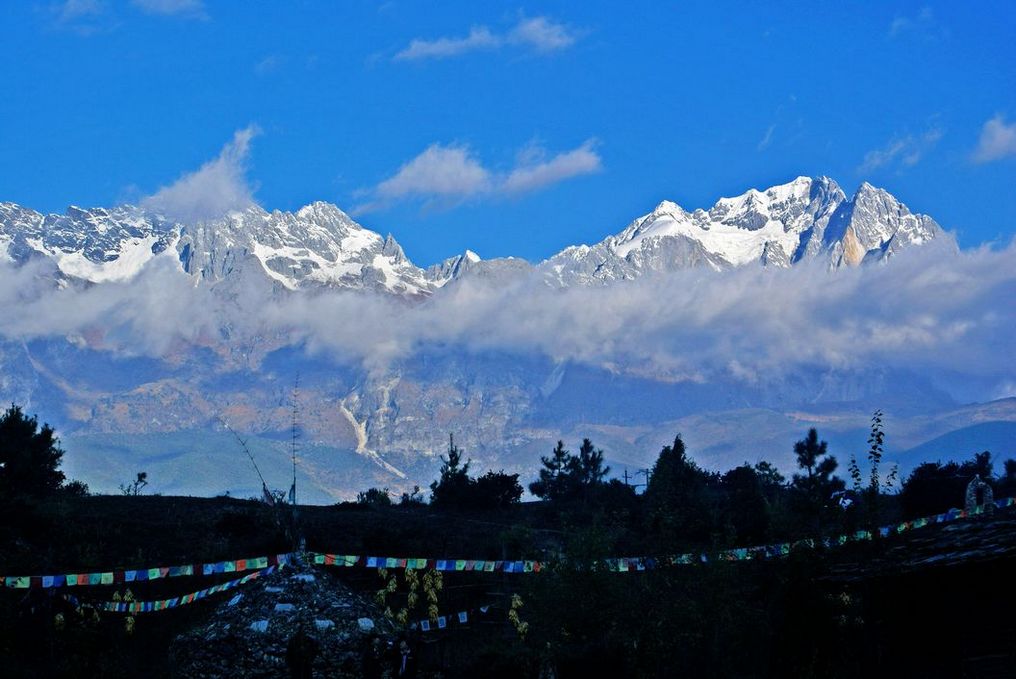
pixel 548 486
pixel 567 476
pixel 589 468
pixel 818 484
pixel 29 456
pixel 453 486
pixel 676 495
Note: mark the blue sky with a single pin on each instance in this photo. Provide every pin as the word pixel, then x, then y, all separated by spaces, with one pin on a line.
pixel 512 129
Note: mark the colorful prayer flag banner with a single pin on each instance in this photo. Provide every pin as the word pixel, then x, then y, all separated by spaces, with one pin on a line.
pixel 165 604
pixel 113 577
pixel 620 565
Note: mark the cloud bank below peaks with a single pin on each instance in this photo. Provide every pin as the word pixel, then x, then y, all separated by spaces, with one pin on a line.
pixel 930 310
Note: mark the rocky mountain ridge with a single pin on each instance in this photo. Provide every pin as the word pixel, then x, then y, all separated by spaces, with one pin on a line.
pixel 320 246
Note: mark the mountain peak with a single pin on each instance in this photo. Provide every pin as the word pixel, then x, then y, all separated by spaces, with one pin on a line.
pixel 776 226
pixel 667 207
pixel 322 210
pixel 320 245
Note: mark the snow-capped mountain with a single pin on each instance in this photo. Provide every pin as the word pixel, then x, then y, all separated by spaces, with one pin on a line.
pixel 96 245
pixel 316 246
pixel 805 219
pixel 321 246
pixel 383 411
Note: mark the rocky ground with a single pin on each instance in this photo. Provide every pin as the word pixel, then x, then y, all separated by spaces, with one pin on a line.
pixel 249 633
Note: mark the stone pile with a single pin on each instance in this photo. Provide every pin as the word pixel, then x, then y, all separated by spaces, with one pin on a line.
pixel 248 634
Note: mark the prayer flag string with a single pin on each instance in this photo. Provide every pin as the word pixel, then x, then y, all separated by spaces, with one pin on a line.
pixel 117 577
pixel 642 563
pixel 165 604
pixel 615 564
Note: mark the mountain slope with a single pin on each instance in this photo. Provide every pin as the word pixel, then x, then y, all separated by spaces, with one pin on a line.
pixel 319 246
pixel 808 218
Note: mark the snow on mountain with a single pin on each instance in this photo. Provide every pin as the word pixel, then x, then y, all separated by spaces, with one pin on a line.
pixel 500 269
pixel 321 246
pixel 96 245
pixel 876 227
pixel 452 268
pixel 803 219
pixel 317 246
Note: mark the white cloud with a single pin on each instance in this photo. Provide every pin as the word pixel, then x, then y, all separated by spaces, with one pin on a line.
pixel 450 174
pixel 539 34
pixel 542 34
pixel 939 313
pixel 84 17
pixel 72 10
pixel 479 37
pixel 767 138
pixel 531 176
pixel 193 9
pixel 922 22
pixel 998 140
pixel 269 64
pixel 906 150
pixel 947 313
pixel 449 171
pixel 218 186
